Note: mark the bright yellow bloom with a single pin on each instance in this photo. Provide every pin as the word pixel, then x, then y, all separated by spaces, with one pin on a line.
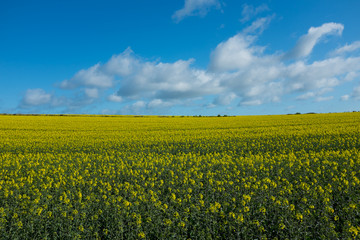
pixel 141 235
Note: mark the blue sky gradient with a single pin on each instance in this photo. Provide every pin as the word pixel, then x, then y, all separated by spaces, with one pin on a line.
pixel 181 57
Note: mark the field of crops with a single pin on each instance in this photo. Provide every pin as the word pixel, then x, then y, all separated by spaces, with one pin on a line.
pixel 259 177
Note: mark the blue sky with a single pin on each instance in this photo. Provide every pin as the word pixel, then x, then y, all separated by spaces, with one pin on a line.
pixel 179 57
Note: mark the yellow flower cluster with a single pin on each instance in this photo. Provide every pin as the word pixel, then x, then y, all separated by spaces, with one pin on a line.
pixel 131 177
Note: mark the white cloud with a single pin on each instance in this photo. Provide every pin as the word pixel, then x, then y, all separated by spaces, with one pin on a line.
pixel 351 76
pixel 251 103
pixel 259 25
pixel 239 70
pixel 319 74
pixel 92 92
pixel 250 11
pixel 159 103
pixel 224 99
pixel 323 99
pixel 160 83
pixel 318 94
pixel 195 8
pixel 233 54
pixel 91 77
pixel 115 98
pixel 134 108
pixel 122 64
pixel 306 96
pixel 347 48
pixel 307 42
pixel 255 77
pixel 345 97
pixel 139 104
pixel 167 81
pixel 36 97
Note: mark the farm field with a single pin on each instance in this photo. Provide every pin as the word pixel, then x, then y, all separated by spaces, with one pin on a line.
pixel 127 177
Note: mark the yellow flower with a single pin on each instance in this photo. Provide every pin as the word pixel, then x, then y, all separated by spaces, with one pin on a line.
pixel 81 228
pixel 354 231
pixel 141 235
pixel 281 226
pixel 126 203
pixel 330 209
pixel 19 224
pixel 299 216
pixel 167 221
pixel 246 198
pixel 39 210
pixel 292 207
pixel 263 210
pixel 182 224
pixel 240 218
pixel 246 209
pixel 138 221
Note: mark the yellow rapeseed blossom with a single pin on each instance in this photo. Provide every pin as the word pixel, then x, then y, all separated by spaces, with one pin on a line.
pixel 141 235
pixel 93 177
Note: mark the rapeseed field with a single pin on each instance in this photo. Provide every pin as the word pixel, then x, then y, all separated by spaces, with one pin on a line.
pixel 128 177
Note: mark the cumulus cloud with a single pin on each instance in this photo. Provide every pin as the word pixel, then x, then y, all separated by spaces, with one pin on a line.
pixel 250 11
pixel 251 103
pixel 344 97
pixel 306 96
pixel 240 71
pixel 134 108
pixel 91 77
pixel 347 48
pixel 122 64
pixel 92 92
pixel 39 99
pixel 238 68
pixel 224 99
pixel 36 97
pixel 160 80
pixel 159 103
pixel 195 8
pixel 240 51
pixel 319 74
pixel 115 98
pixel 255 77
pixel 234 54
pixel 351 76
pixel 307 42
pixel 317 95
pixel 323 99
